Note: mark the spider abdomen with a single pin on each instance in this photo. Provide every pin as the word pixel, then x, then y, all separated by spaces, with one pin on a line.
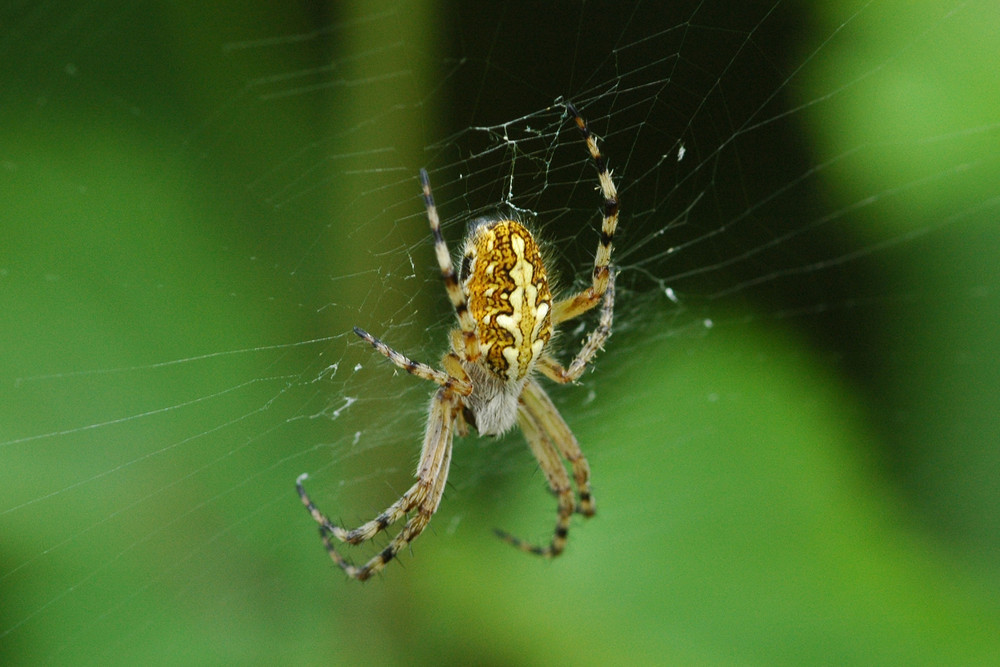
pixel 507 288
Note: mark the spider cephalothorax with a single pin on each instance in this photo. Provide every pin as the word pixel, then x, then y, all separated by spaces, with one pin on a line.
pixel 506 316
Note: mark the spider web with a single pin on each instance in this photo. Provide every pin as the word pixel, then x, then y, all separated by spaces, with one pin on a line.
pixel 202 203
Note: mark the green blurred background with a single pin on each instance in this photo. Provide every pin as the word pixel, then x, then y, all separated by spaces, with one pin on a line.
pixel 811 480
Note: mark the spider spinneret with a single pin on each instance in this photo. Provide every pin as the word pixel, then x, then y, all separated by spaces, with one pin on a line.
pixel 506 316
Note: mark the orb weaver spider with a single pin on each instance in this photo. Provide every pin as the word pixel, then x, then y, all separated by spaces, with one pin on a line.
pixel 506 317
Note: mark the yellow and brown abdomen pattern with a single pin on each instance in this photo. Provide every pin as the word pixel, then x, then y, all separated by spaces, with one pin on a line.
pixel 507 287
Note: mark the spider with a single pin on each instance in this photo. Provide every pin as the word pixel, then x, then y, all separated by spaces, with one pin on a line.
pixel 506 317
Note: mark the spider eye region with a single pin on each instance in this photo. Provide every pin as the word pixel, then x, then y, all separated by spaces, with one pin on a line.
pixel 507 288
